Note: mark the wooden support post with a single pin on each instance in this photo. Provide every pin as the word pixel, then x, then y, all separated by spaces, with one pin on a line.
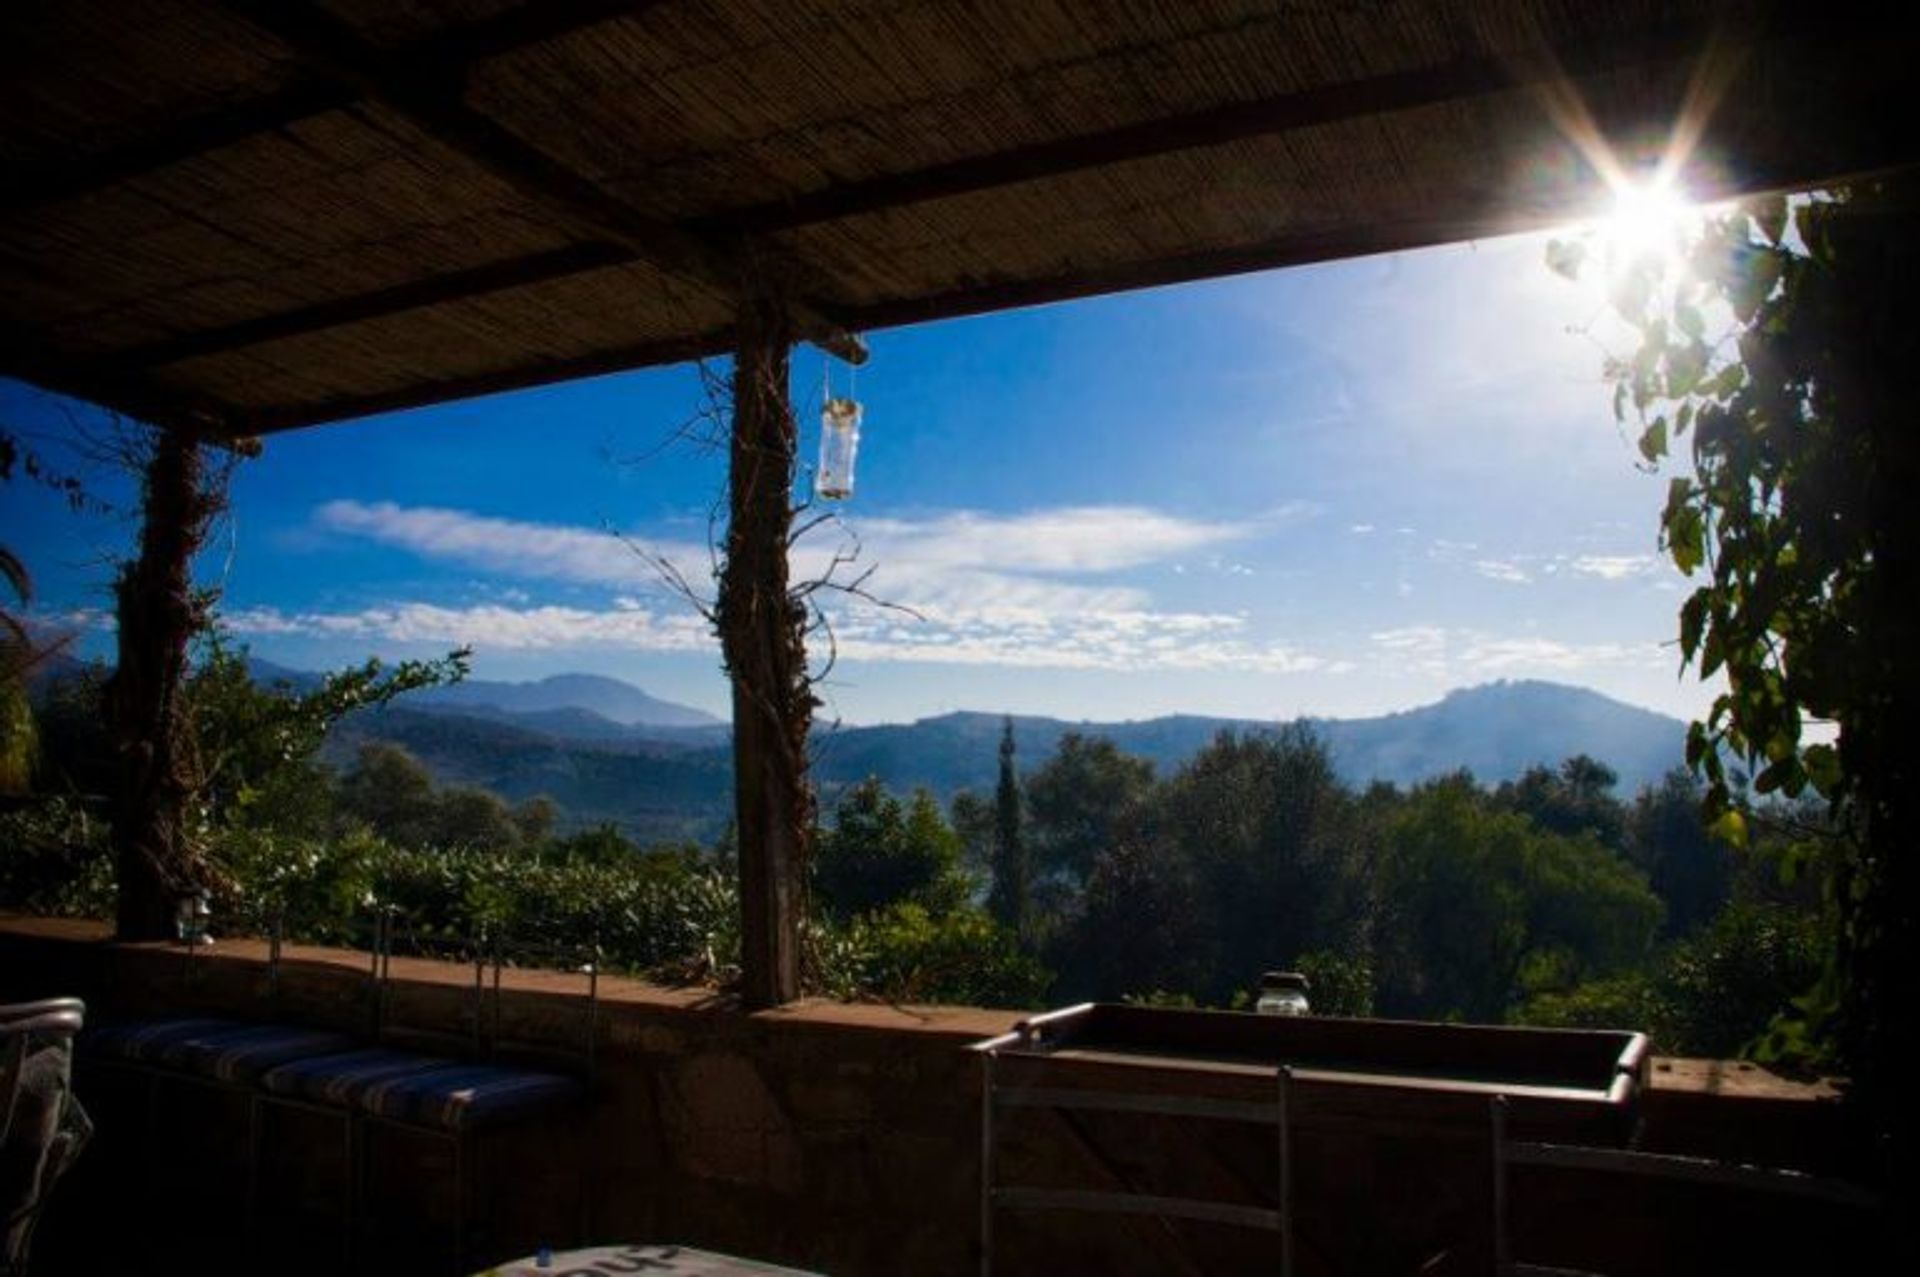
pixel 158 613
pixel 762 638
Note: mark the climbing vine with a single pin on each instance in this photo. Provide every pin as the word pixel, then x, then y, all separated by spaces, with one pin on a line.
pixel 1779 351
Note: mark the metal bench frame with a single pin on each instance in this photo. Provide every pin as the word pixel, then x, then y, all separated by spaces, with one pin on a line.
pixel 484 950
pixel 485 995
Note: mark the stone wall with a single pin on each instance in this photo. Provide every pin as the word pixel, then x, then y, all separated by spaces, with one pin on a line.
pixel 830 1136
pixel 826 1136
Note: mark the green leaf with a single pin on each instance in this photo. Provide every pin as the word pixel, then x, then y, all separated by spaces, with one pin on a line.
pixel 1770 214
pixel 1756 272
pixel 1783 775
pixel 1727 382
pixel 1697 744
pixel 1693 619
pixel 1685 366
pixel 1822 763
pixel 1653 440
pixel 1713 652
pixel 1686 541
pixel 1566 257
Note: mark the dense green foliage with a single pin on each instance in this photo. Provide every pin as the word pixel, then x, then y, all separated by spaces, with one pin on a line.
pixel 22 650
pixel 1780 353
pixel 1546 899
pixel 879 853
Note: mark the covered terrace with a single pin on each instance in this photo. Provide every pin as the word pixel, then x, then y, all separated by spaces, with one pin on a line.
pixel 231 218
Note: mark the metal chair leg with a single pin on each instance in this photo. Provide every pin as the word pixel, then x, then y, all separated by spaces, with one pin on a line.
pixel 256 1116
pixel 461 1191
pixel 986 1164
pixel 350 1215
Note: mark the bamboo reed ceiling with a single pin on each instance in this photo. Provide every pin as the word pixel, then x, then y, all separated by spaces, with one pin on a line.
pixel 247 215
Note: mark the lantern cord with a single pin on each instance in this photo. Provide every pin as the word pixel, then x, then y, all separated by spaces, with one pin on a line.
pixel 826 381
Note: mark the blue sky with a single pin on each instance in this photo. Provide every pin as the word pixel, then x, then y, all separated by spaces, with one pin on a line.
pixel 1334 490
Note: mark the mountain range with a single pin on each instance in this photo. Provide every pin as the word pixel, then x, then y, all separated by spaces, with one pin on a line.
pixel 604 750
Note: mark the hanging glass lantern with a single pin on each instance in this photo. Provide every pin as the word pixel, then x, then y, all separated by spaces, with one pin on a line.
pixel 839 444
pixel 192 912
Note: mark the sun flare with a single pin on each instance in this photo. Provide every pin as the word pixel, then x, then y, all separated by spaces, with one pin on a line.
pixel 1650 222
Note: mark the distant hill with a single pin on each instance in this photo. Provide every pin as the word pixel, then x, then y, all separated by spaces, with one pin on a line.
pixel 605 698
pixel 1498 730
pixel 571 707
pixel 605 750
pixel 654 790
pixel 676 782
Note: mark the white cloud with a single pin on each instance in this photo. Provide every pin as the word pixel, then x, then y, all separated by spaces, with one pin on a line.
pixel 1117 640
pixel 1032 577
pixel 1614 567
pixel 1502 570
pixel 487 626
pixel 1070 539
pixel 1036 590
pixel 1418 649
pixel 533 550
pixel 1482 654
pixel 1477 654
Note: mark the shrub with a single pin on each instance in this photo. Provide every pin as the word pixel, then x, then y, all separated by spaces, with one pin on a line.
pixel 54 859
pixel 905 954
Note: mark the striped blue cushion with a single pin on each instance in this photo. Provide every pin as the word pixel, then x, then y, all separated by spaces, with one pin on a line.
pixel 340 1079
pixel 456 1097
pixel 241 1054
pixel 145 1041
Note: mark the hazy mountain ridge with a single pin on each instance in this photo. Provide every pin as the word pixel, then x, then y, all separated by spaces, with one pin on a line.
pixel 608 699
pixel 663 781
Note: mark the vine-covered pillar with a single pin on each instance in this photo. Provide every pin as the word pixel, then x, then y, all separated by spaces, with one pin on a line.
pixel 158 613
pixel 762 638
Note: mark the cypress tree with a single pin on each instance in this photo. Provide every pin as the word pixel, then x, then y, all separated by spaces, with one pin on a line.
pixel 1008 900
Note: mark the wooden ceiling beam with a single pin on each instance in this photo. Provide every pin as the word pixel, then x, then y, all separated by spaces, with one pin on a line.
pixel 1848 157
pixel 1487 215
pixel 436 103
pixel 648 354
pixel 25 358
pixel 531 23
pixel 67 177
pixel 457 286
pixel 1291 251
pixel 1329 104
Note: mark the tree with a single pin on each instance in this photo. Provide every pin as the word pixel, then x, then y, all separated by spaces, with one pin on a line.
pixel 535 818
pixel 1270 841
pixel 1008 901
pixel 463 816
pixel 1688 868
pixel 1139 931
pixel 157 853
pixel 19 744
pixel 1798 520
pixel 391 792
pixel 1078 801
pixel 256 744
pixel 1476 898
pixel 971 817
pixel 21 650
pixel 1576 799
pixel 879 853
